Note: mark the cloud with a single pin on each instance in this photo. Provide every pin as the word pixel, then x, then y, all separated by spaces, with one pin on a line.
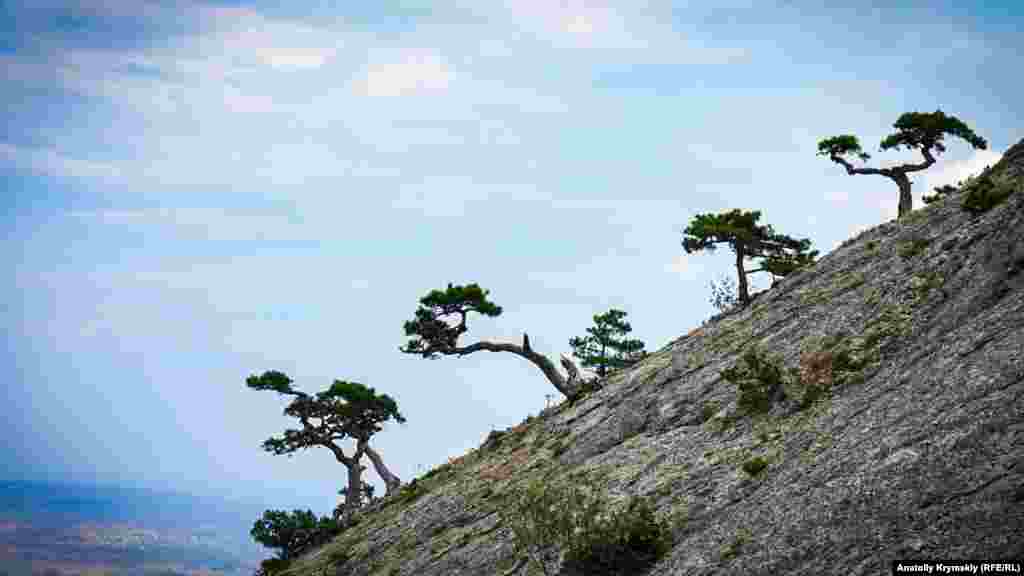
pixel 953 171
pixel 413 72
pixel 277 43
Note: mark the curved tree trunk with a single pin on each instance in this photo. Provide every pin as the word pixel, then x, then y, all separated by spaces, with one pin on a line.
pixel 897 174
pixel 538 360
pixel 392 482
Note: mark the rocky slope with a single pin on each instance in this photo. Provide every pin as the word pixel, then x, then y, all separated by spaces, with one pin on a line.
pixel 913 330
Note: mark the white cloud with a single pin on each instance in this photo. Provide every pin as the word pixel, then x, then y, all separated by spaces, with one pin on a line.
pixel 413 72
pixel 953 171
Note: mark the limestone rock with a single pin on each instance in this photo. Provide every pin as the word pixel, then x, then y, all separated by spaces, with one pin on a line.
pixel 914 329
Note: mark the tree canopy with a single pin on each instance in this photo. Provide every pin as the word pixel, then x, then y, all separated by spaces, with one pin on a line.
pixel 346 410
pixel 440 320
pixel 739 229
pixel 921 131
pixel 291 533
pixel 606 346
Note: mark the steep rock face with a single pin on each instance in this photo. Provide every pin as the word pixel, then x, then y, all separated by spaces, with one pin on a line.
pixel 915 328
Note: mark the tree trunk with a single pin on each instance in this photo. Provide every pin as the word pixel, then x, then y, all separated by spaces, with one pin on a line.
pixel 744 290
pixel 354 494
pixel 906 200
pixel 538 360
pixel 392 482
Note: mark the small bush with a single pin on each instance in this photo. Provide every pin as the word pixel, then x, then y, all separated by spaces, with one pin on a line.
pixel 723 294
pixel 755 465
pixel 578 521
pixel 871 245
pixel 940 193
pixel 272 566
pixel 708 411
pixel 912 248
pixel 985 194
pixel 759 382
pixel 411 492
pixel 292 533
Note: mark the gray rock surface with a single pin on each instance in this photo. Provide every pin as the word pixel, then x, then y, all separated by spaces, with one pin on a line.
pixel 916 452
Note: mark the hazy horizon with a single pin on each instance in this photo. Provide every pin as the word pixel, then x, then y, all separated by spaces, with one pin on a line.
pixel 201 191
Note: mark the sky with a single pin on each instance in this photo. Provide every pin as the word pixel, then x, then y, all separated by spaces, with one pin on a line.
pixel 195 192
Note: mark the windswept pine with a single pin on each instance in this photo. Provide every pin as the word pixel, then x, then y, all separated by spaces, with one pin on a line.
pixel 739 229
pixel 346 410
pixel 440 320
pixel 919 131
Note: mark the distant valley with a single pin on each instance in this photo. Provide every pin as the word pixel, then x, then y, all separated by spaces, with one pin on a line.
pixel 50 529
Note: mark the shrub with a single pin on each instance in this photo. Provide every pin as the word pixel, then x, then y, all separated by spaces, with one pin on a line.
pixel 940 193
pixel 723 294
pixel 985 194
pixel 759 382
pixel 291 534
pixel 272 566
pixel 755 465
pixel 578 521
pixel 912 248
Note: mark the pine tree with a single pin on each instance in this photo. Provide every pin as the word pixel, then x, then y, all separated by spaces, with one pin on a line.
pixel 919 131
pixel 345 410
pixel 606 347
pixel 739 229
pixel 433 334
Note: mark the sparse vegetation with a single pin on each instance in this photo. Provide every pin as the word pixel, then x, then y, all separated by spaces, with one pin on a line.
pixel 984 193
pixel 755 465
pixel 577 520
pixel 759 381
pixel 733 549
pixel 940 193
pixel 911 248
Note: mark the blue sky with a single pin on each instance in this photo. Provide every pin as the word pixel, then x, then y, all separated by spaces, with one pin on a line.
pixel 196 192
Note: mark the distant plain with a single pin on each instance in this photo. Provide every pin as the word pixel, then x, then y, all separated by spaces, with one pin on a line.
pixel 77 529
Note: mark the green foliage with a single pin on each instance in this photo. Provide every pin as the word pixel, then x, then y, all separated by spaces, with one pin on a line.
pixel 908 250
pixel 984 194
pixel 840 146
pixel 411 492
pixel 578 520
pixel 940 193
pixel 606 346
pixel 733 549
pixel 926 130
pixel 272 566
pixel 921 131
pixel 431 333
pixel 345 410
pixel 755 465
pixel 759 381
pixel 292 533
pixel 871 245
pixel 739 229
pixel 708 411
